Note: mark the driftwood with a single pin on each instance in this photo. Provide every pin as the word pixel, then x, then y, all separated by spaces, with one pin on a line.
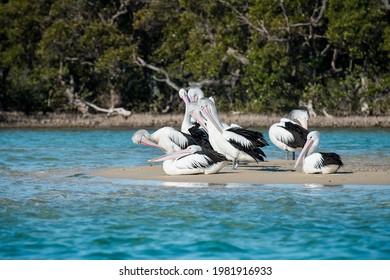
pixel 82 105
pixel 110 112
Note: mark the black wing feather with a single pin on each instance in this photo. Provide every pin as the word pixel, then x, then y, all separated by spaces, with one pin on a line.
pixel 190 140
pixel 255 137
pixel 331 158
pixel 255 152
pixel 299 133
pixel 200 137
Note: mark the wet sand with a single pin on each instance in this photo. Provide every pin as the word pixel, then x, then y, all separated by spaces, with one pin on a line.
pixel 269 172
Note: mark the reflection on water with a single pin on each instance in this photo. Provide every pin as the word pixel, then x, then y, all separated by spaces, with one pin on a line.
pixel 317 186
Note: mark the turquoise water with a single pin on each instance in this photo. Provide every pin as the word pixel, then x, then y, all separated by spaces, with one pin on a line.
pixel 52 208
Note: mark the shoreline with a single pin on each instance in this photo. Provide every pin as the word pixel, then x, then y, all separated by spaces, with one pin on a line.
pixel 268 172
pixel 149 120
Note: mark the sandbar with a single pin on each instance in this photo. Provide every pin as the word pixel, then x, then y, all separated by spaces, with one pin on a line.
pixel 268 172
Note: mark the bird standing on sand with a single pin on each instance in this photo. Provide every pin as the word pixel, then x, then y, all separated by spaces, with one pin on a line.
pixel 236 143
pixel 290 134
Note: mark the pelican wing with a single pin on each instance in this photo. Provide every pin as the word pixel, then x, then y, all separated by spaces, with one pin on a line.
pixel 233 137
pixel 193 161
pixel 293 135
pixel 331 158
pixel 181 139
pixel 255 137
pixel 200 136
pixel 243 144
pixel 213 155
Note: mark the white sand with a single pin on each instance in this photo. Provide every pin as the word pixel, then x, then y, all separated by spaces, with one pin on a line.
pixel 270 172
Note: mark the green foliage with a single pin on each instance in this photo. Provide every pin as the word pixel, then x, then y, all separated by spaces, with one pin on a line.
pixel 256 56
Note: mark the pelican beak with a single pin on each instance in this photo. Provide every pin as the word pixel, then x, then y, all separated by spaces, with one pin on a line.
pixel 303 153
pixel 211 118
pixel 197 116
pixel 303 123
pixel 171 156
pixel 146 142
pixel 186 99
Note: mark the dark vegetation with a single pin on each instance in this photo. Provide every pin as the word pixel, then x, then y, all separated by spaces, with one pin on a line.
pixel 264 56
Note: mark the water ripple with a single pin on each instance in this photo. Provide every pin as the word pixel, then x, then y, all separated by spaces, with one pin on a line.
pixel 51 208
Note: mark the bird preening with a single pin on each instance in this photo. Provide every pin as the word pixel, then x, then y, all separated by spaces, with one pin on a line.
pixel 205 145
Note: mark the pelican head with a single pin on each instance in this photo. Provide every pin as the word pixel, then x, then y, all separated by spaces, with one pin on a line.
pixel 195 94
pixel 183 95
pixel 313 140
pixel 142 137
pixel 209 111
pixel 299 115
pixel 194 111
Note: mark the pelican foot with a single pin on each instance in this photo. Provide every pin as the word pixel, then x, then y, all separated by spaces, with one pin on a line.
pixel 235 164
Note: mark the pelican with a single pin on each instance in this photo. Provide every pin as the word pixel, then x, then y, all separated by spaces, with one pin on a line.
pixel 324 163
pixel 192 160
pixel 234 142
pixel 290 134
pixel 195 93
pixel 300 116
pixel 187 122
pixel 189 125
pixel 199 130
pixel 165 138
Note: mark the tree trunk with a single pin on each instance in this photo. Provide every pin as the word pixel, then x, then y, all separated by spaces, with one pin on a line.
pixel 3 89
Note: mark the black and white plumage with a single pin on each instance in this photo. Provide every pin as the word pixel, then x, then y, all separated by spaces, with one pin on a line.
pixel 192 160
pixel 325 163
pixel 200 136
pixel 300 116
pixel 165 138
pixel 236 143
pixel 289 135
pixel 189 125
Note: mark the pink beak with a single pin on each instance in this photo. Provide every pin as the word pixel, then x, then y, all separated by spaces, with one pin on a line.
pixel 303 153
pixel 171 156
pixel 146 142
pixel 196 115
pixel 207 112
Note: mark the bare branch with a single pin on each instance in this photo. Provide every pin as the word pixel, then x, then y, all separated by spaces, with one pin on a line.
pixel 110 112
pixel 325 49
pixel 73 59
pixel 242 16
pixel 314 20
pixel 387 4
pixel 122 10
pixel 241 58
pixel 209 82
pixel 259 27
pixel 82 106
pixel 334 58
pixel 140 62
pixel 281 2
pixel 209 33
